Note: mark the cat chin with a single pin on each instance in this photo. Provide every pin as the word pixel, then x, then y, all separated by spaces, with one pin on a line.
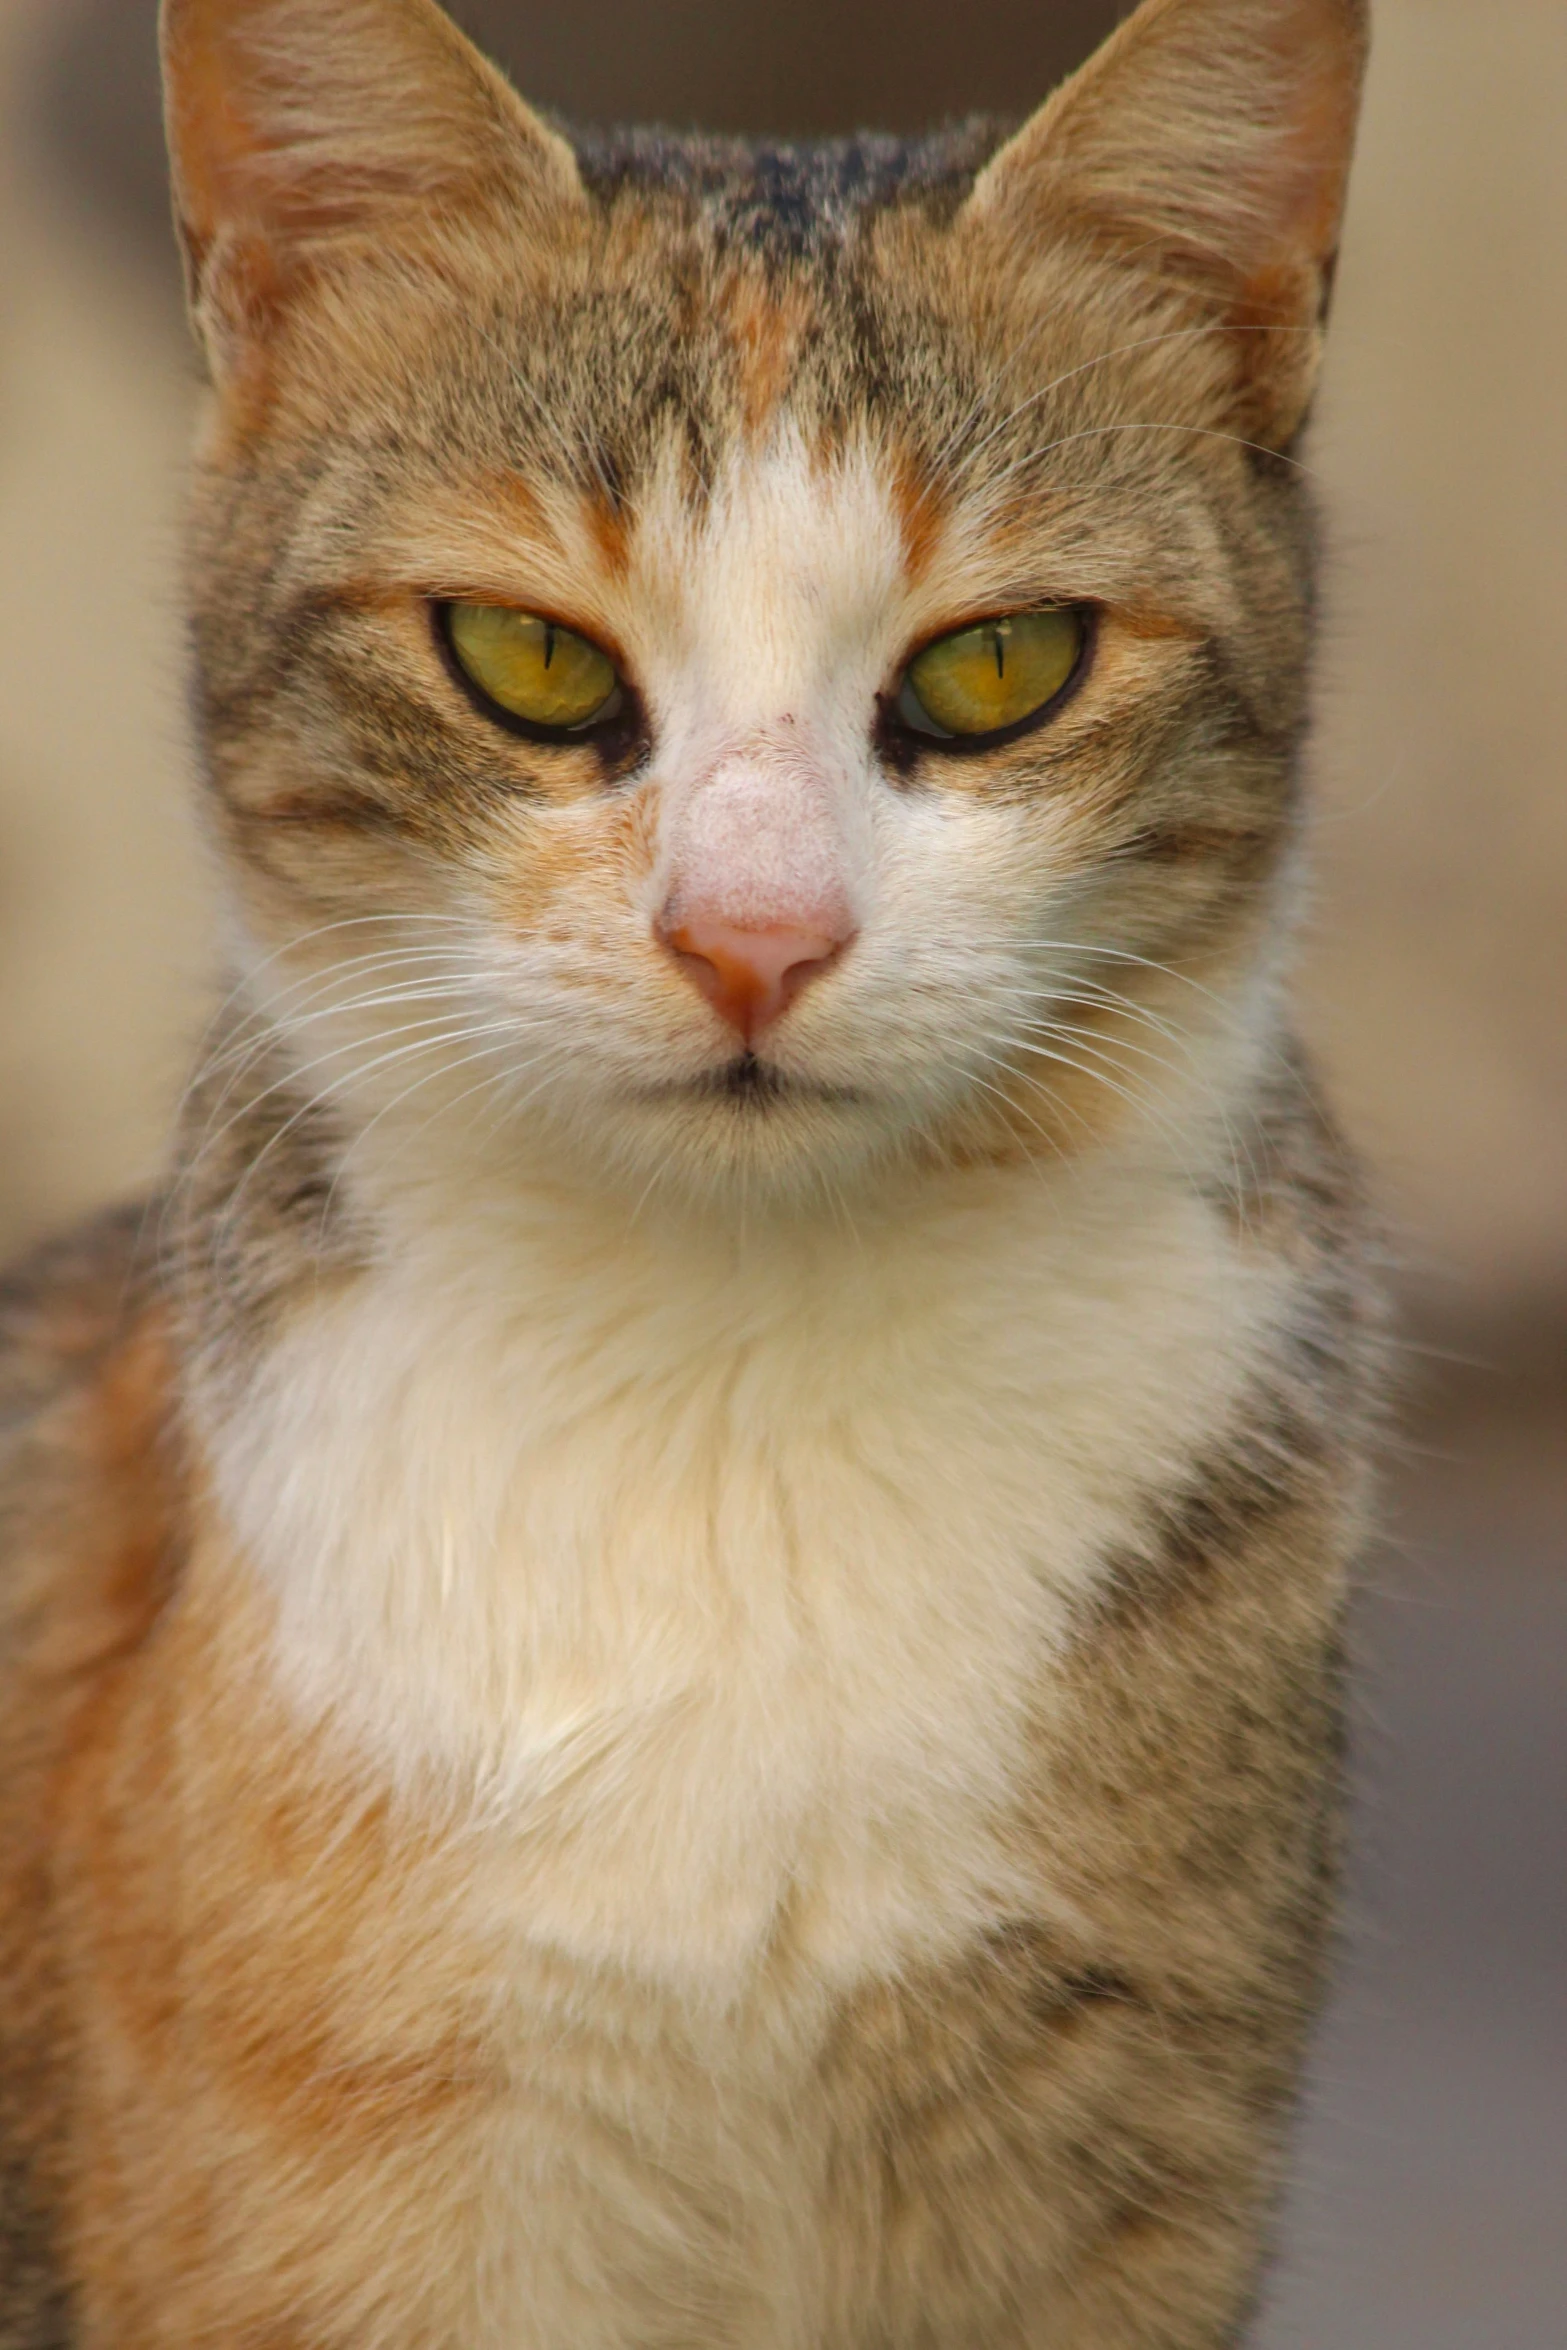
pixel 763 1140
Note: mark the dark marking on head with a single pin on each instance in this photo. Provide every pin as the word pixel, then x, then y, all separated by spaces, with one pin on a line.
pixel 788 203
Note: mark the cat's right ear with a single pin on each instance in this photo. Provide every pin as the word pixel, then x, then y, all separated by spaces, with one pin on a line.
pixel 300 129
pixel 1207 146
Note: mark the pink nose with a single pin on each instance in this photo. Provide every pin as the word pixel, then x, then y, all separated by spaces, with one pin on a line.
pixel 750 976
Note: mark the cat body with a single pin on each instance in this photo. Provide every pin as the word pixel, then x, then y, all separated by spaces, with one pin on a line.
pixel 671 1629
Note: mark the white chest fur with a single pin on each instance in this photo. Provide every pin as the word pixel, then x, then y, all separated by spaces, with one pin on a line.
pixel 720 1576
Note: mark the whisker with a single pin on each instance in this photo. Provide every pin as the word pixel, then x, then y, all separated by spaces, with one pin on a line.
pixel 1097 432
pixel 311 983
pixel 306 938
pixel 1094 1070
pixel 1097 1070
pixel 457 1035
pixel 259 1026
pixel 446 1069
pixel 209 1140
pixel 1125 1044
pixel 1117 351
pixel 428 989
pixel 245 1053
pixel 1014 1108
pixel 1101 1047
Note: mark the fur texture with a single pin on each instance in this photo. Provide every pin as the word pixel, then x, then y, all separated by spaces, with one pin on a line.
pixel 660 1691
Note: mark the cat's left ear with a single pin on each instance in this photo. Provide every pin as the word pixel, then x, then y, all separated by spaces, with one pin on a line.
pixel 1205 148
pixel 302 129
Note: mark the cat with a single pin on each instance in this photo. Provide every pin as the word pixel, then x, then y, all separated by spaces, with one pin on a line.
pixel 671 1624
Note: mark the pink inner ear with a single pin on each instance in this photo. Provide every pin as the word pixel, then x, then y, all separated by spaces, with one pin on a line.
pixel 244 159
pixel 1221 127
pixel 1314 165
pixel 213 147
pixel 300 118
pixel 1207 145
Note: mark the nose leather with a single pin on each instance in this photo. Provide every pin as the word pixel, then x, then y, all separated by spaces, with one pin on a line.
pixel 750 976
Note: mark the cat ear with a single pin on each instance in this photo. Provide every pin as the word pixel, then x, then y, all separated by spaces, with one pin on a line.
pixel 1208 145
pixel 300 126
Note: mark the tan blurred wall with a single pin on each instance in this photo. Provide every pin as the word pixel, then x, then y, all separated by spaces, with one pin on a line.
pixel 1436 963
pixel 102 928
pixel 1438 968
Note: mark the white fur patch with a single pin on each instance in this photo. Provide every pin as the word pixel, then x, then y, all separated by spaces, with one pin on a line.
pixel 714 1573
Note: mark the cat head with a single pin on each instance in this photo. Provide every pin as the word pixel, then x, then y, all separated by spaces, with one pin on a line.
pixel 725 667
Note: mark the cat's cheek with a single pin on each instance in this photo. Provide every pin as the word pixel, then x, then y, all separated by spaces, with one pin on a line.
pixel 566 870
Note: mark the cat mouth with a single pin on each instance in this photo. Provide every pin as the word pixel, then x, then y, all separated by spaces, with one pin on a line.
pixel 754 1084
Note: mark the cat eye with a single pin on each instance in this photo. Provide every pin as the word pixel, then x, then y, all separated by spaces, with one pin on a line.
pixel 995 679
pixel 544 678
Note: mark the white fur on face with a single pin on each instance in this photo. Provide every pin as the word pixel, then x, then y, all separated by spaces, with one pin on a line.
pixel 760 632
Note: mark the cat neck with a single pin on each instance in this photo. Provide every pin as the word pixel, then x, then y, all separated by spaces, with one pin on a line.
pixel 630 1531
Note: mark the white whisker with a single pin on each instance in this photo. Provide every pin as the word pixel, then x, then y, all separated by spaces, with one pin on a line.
pixel 1185 334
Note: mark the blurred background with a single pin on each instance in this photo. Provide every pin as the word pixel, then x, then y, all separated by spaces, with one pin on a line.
pixel 1431 2212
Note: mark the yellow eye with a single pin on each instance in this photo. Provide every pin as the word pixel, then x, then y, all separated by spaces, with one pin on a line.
pixel 533 669
pixel 982 680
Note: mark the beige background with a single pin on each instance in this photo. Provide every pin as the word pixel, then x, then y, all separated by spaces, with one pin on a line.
pixel 102 939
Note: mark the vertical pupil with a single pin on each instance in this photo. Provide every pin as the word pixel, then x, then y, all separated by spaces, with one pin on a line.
pixel 549 642
pixel 1001 652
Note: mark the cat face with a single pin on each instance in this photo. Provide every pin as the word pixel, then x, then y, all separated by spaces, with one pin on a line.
pixel 602 557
